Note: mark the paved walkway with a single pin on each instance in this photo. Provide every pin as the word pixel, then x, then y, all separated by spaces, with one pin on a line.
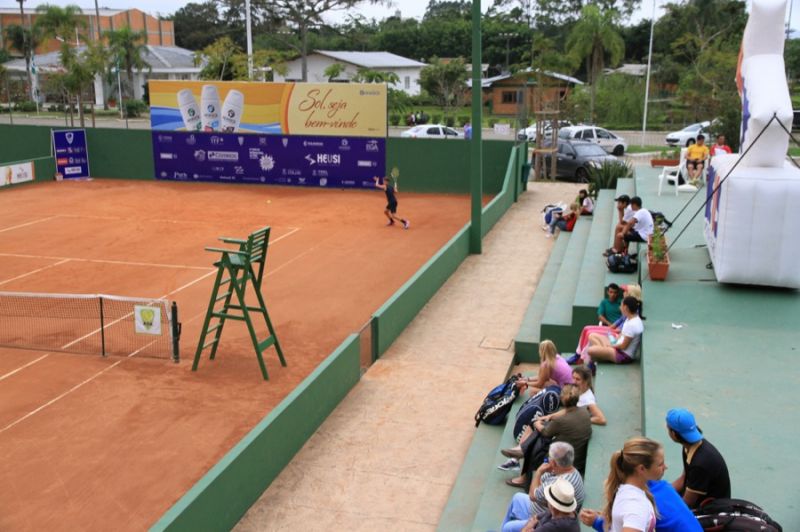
pixel 387 458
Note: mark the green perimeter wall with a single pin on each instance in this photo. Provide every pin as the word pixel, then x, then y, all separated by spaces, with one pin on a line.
pixel 220 499
pixel 426 165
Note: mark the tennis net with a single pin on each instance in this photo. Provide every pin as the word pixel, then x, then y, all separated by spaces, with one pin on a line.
pixel 91 324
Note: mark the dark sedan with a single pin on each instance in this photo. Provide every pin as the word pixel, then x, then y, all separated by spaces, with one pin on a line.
pixel 575 159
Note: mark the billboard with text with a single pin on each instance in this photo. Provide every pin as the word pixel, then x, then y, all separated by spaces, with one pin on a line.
pixel 319 109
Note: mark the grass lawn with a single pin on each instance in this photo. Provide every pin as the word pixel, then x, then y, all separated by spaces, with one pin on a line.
pixel 644 149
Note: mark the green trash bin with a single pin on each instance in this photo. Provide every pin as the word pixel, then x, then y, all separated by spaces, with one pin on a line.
pixel 526 172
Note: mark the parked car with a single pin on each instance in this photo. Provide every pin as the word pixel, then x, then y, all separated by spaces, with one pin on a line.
pixel 575 158
pixel 529 133
pixel 688 135
pixel 604 138
pixel 431 131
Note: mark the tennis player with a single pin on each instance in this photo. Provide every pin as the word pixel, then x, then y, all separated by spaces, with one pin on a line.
pixel 389 185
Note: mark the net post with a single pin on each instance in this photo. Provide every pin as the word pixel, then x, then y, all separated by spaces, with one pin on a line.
pixel 102 329
pixel 176 333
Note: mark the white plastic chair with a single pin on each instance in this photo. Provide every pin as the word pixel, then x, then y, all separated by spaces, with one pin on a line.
pixel 671 173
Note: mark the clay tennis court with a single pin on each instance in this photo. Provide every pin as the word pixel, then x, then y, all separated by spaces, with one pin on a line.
pixel 111 443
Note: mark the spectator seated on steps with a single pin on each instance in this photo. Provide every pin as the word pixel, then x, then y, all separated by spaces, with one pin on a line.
pixel 564 222
pixel 632 290
pixel 524 506
pixel 553 370
pixel 574 426
pixel 637 229
pixel 622 348
pixel 586 202
pixel 624 211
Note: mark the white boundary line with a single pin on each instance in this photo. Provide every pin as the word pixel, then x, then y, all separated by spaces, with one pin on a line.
pixel 37 270
pixel 103 261
pixel 27 224
pixel 58 398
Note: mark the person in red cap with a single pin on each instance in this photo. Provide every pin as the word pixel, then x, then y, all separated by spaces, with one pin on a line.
pixel 705 474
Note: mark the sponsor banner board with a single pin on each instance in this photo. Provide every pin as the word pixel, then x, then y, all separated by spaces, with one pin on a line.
pixel 317 161
pixel 71 153
pixel 319 109
pixel 13 174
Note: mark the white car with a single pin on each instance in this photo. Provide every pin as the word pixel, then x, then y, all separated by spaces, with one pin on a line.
pixel 613 144
pixel 431 131
pixel 529 133
pixel 688 135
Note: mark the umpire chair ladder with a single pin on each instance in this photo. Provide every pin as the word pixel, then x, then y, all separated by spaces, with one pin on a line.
pixel 243 267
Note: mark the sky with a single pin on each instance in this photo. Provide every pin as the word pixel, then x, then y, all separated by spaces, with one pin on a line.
pixel 408 8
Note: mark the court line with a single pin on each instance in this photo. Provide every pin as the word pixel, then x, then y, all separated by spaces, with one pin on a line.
pixel 32 362
pixel 104 261
pixel 27 224
pixel 35 271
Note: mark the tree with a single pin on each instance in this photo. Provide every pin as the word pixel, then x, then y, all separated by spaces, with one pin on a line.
pixel 24 40
pixel 367 75
pixel 302 15
pixel 334 71
pixel 219 60
pixel 445 81
pixel 561 11
pixel 60 23
pixel 127 52
pixel 592 37
pixel 197 25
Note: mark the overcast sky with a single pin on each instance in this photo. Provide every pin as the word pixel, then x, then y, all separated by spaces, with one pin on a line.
pixel 408 8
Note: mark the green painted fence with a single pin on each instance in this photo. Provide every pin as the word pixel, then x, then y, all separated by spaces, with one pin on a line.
pixel 220 499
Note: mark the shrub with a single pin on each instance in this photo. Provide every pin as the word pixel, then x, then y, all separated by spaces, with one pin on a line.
pixel 462 120
pixel 607 174
pixel 492 122
pixel 25 107
pixel 437 118
pixel 135 108
pixel 450 121
pixel 394 119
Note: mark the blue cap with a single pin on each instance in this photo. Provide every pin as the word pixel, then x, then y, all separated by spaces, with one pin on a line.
pixel 682 421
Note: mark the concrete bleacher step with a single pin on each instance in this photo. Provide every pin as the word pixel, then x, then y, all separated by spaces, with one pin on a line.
pixel 462 506
pixel 491 508
pixel 526 343
pixel 619 394
pixel 592 275
pixel 557 324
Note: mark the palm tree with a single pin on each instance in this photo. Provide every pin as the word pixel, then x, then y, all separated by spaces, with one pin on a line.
pixel 592 38
pixel 26 49
pixel 127 49
pixel 24 40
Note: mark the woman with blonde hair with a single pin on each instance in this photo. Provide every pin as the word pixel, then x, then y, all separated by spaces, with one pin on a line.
pixel 553 369
pixel 564 222
pixel 582 377
pixel 629 504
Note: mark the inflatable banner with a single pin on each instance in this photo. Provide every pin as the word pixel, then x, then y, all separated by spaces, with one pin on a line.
pixel 751 210
pixel 330 109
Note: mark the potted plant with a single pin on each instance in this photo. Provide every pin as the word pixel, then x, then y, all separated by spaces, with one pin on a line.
pixel 667 158
pixel 657 255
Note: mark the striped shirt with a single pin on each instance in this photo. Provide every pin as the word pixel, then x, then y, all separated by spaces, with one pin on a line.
pixel 574 478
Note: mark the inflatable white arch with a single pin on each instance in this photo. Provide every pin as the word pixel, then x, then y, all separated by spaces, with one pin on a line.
pixel 753 219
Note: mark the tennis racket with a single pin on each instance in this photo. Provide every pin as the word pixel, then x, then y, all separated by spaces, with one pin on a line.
pixel 395 173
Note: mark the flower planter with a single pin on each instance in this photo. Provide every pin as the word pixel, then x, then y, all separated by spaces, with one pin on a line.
pixel 657 270
pixel 664 162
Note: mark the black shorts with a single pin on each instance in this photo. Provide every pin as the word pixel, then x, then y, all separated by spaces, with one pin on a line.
pixel 392 205
pixel 696 164
pixel 633 236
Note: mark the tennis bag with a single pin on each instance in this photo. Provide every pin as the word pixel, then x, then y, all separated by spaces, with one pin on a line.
pixel 660 220
pixel 718 515
pixel 622 263
pixel 498 402
pixel 540 404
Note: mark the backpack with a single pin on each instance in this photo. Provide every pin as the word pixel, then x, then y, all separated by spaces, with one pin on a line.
pixel 660 220
pixel 541 404
pixel 619 263
pixel 547 212
pixel 498 402
pixel 718 515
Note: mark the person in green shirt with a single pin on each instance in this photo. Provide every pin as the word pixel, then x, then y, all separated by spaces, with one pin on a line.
pixel 608 312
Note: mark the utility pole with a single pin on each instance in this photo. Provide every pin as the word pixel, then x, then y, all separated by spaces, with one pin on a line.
pixel 647 83
pixel 249 40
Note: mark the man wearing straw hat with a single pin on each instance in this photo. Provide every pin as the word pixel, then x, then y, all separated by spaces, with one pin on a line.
pixel 560 514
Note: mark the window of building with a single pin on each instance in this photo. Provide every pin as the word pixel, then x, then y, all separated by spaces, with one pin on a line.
pixel 407 82
pixel 509 96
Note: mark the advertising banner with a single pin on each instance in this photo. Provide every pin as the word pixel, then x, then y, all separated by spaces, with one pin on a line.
pixel 72 155
pixel 337 162
pixel 16 173
pixel 325 109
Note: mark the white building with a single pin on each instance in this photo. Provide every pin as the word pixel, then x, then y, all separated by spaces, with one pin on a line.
pixel 166 62
pixel 406 69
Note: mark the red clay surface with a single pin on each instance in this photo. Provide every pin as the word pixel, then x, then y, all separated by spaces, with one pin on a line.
pixel 111 444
